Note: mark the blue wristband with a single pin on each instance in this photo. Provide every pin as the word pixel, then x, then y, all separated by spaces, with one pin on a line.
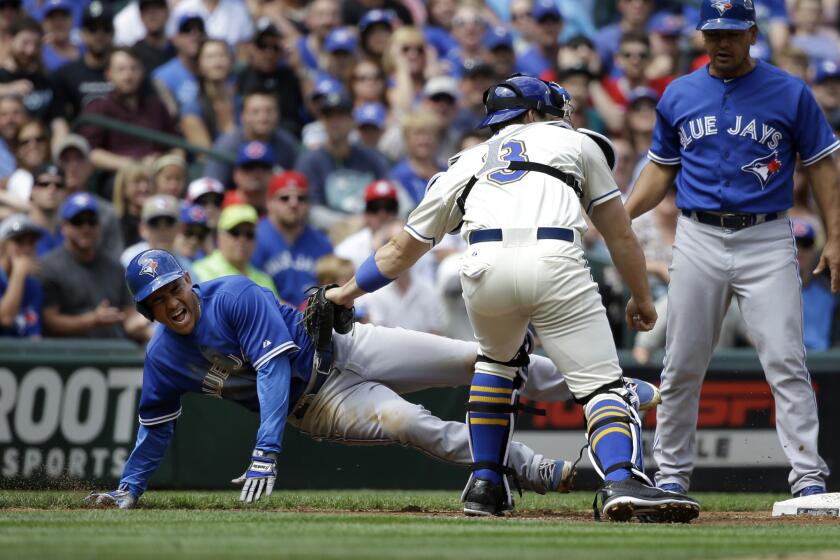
pixel 368 277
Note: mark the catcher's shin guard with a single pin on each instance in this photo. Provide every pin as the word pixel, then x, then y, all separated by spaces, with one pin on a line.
pixel 490 418
pixel 613 429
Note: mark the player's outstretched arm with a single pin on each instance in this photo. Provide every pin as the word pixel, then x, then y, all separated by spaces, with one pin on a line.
pixel 380 268
pixel 614 224
pixel 650 188
pixel 824 178
pixel 148 453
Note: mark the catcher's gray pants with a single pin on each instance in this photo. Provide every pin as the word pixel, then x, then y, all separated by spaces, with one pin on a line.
pixel 758 266
pixel 360 403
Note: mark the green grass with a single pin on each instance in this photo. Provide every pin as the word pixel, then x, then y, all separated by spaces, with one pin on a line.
pixel 186 525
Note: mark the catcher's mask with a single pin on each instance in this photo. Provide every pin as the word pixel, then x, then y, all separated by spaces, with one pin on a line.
pixel 148 272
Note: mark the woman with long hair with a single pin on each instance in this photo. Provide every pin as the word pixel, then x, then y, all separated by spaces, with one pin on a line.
pixel 31 146
pixel 132 186
pixel 405 64
pixel 215 110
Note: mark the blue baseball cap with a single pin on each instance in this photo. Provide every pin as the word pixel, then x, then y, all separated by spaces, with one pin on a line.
pixel 640 93
pixel 826 70
pixel 665 23
pixel 326 85
pixel 370 114
pixel 341 39
pixel 496 37
pixel 77 203
pixel 543 9
pixel 193 214
pixel 374 17
pixel 734 15
pixel 190 17
pixel 255 153
pixel 56 6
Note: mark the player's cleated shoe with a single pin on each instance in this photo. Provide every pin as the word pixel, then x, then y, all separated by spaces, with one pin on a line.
pixel 673 487
pixel 810 491
pixel 556 475
pixel 486 498
pixel 648 393
pixel 624 499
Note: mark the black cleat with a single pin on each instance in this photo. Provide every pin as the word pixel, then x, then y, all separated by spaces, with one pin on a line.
pixel 484 497
pixel 624 499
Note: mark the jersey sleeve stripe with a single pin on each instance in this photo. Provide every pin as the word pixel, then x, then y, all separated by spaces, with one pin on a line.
pixel 160 419
pixel 419 236
pixel 664 161
pixel 822 154
pixel 603 198
pixel 275 352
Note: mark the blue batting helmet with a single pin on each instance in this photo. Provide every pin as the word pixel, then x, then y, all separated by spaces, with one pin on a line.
pixel 516 95
pixel 148 272
pixel 737 15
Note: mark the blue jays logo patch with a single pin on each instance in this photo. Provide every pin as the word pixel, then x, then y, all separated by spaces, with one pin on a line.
pixel 764 167
pixel 722 6
pixel 149 267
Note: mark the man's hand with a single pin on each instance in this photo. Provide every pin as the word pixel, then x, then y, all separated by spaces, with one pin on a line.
pixel 830 259
pixel 259 478
pixel 339 296
pixel 116 498
pixel 106 314
pixel 640 316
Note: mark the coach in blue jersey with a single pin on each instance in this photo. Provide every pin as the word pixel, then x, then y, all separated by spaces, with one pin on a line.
pixel 287 246
pixel 729 135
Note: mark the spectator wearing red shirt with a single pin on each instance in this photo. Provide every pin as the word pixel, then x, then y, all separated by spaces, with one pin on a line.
pixel 113 149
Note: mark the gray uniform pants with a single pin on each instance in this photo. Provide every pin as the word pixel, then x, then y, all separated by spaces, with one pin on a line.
pixel 361 404
pixel 757 265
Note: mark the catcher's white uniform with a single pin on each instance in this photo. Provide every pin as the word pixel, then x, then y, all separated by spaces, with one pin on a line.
pixel 525 278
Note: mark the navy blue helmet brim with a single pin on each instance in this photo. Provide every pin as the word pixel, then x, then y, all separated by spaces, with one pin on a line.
pixel 156 284
pixel 725 24
pixel 501 115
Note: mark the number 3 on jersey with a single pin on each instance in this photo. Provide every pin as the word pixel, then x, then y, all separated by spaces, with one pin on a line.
pixel 513 150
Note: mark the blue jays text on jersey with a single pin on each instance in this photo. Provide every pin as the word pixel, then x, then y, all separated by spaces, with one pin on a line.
pixel 737 139
pixel 246 347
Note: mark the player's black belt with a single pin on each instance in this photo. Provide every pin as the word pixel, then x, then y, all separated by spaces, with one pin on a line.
pixel 730 220
pixel 563 234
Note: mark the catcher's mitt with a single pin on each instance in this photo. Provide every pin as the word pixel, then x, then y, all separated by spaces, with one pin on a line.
pixel 321 316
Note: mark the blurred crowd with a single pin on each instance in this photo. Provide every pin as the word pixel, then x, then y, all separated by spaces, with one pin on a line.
pixel 286 139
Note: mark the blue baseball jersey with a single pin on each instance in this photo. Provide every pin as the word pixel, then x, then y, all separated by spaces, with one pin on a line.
pixel 737 139
pixel 291 267
pixel 246 347
pixel 28 318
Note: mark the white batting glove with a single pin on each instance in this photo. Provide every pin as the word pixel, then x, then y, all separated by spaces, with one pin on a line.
pixel 117 498
pixel 259 479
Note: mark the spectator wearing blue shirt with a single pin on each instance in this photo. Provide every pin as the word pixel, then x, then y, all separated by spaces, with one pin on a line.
pixel 821 308
pixel 340 53
pixel 176 80
pixel 339 171
pixel 468 27
pixel 421 134
pixel 58 48
pixel 634 15
pixel 548 25
pixel 21 296
pixel 287 246
pixel 322 16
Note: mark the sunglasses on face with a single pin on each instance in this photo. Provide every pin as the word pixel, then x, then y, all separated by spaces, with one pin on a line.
pixel 209 199
pixel 89 220
pixel 199 232
pixel 376 206
pixel 161 221
pixel 635 54
pixel 459 22
pixel 302 198
pixel 247 233
pixel 519 16
pixel 59 184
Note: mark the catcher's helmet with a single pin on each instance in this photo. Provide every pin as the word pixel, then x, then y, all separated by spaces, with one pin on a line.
pixel 148 272
pixel 517 94
pixel 737 15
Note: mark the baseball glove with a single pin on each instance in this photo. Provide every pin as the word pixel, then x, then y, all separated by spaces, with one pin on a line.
pixel 321 316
